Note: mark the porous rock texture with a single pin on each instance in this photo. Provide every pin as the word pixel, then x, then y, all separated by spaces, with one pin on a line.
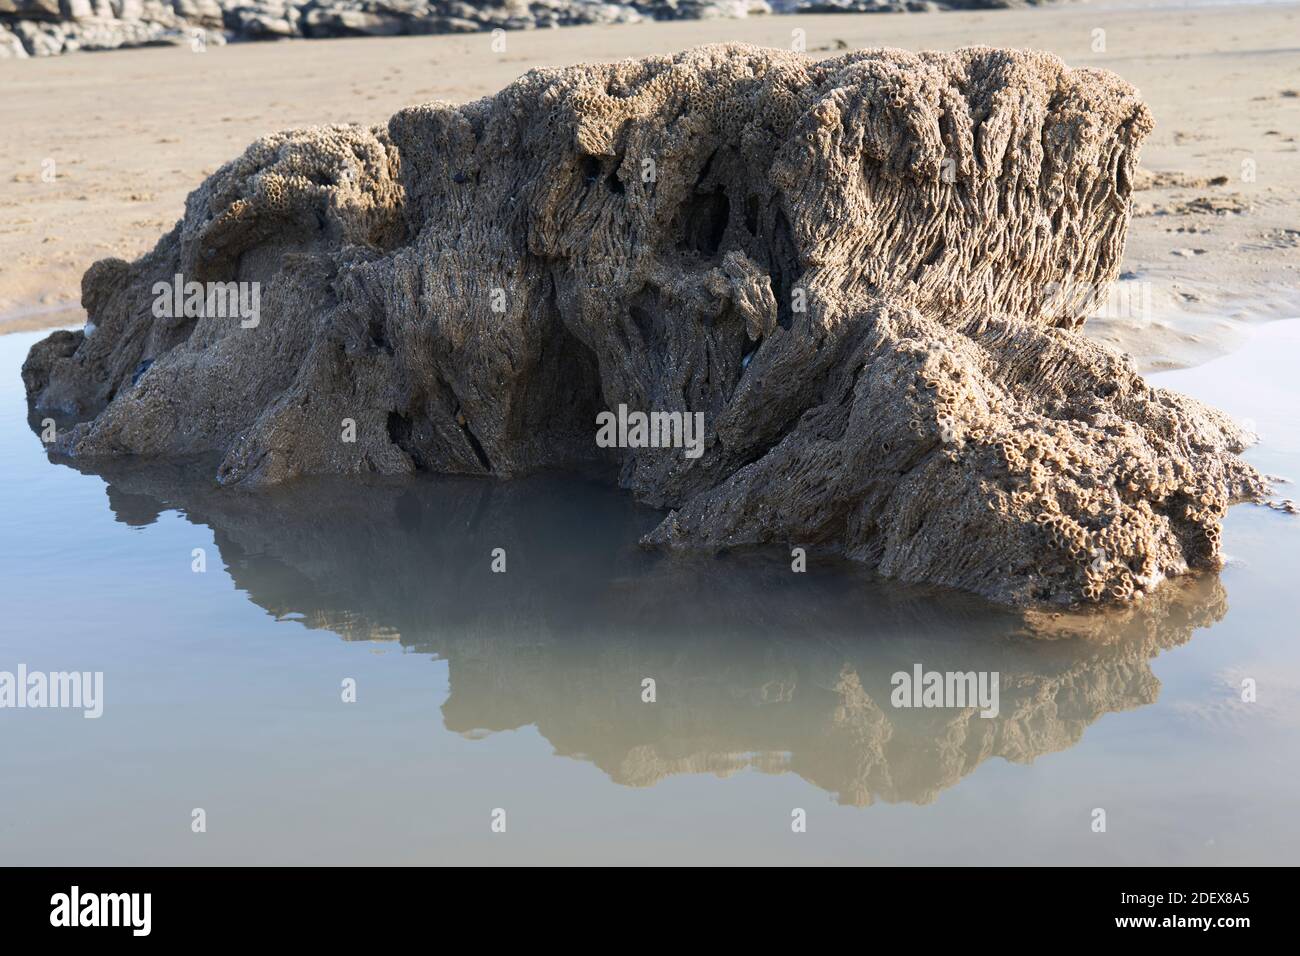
pixel 866 272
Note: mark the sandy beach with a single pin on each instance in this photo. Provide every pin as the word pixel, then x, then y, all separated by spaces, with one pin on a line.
pixel 101 149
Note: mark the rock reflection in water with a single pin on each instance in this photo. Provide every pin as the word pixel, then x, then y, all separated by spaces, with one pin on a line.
pixel 755 666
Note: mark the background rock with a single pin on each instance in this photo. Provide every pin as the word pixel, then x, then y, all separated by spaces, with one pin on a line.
pixel 11 45
pixel 51 27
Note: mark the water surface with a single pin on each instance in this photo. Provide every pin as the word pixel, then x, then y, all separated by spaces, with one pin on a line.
pixel 523 690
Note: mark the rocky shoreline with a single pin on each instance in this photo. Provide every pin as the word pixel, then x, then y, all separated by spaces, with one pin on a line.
pixel 52 27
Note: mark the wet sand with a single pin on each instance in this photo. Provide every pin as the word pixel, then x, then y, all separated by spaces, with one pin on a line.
pixel 100 150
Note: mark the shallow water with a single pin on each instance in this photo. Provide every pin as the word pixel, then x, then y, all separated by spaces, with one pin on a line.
pixel 523 691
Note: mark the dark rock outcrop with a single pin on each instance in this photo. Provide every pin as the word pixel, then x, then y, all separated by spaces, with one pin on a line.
pixel 51 27
pixel 864 273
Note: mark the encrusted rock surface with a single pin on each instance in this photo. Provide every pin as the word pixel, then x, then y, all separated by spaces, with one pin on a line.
pixel 867 273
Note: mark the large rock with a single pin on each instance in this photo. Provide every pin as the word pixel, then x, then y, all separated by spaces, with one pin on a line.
pixel 31 9
pixel 263 19
pixel 865 273
pixel 41 38
pixel 203 13
pixel 11 47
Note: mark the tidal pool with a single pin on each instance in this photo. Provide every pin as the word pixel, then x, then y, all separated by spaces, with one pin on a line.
pixel 230 627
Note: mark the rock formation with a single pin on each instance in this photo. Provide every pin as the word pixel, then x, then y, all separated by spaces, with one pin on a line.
pixel 867 274
pixel 51 27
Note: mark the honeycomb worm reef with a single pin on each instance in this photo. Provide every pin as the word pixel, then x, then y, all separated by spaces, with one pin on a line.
pixel 867 272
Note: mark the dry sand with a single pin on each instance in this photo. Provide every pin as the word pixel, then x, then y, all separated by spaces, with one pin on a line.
pixel 128 134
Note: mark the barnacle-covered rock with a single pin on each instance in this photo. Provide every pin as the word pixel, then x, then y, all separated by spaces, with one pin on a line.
pixel 866 274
